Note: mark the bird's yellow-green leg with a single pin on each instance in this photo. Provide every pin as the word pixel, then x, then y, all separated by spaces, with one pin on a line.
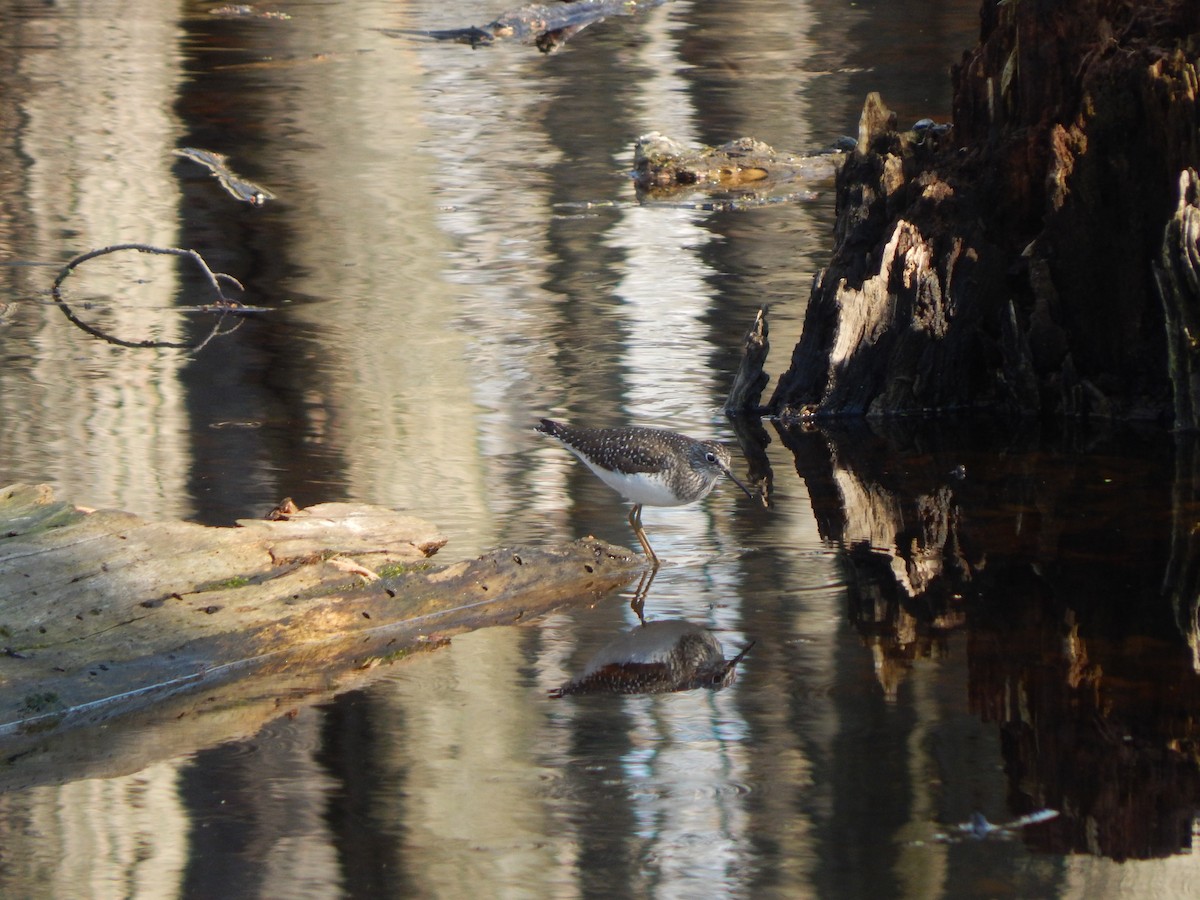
pixel 635 520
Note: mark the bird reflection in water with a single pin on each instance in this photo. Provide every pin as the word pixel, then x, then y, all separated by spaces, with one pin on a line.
pixel 657 658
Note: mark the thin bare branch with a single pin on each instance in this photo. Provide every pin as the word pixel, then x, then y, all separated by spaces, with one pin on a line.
pixel 222 304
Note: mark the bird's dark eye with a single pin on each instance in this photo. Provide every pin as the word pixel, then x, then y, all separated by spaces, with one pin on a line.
pixel 710 456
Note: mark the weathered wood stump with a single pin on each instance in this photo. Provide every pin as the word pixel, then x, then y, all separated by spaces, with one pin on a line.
pixel 751 380
pixel 1009 265
pixel 1177 272
pixel 104 615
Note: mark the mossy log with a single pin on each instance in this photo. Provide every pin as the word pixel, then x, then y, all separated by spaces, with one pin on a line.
pixel 746 169
pixel 105 614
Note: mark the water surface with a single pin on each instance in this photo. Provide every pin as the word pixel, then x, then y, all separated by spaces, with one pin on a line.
pixel 981 620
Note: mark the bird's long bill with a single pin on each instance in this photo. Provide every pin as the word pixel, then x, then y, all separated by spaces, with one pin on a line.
pixel 729 671
pixel 735 480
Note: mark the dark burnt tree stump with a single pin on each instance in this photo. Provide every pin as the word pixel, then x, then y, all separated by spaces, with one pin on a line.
pixel 1177 274
pixel 1010 263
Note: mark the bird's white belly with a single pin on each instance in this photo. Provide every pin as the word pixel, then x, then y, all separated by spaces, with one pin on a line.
pixel 650 490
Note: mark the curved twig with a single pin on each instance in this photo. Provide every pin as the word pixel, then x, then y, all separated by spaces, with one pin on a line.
pixel 223 304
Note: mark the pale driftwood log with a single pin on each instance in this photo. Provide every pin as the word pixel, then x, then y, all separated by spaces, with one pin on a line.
pixel 105 616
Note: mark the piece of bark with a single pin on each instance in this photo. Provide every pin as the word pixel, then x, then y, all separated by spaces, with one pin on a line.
pixel 746 393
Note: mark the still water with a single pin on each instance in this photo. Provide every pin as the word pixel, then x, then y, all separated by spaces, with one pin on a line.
pixel 980 620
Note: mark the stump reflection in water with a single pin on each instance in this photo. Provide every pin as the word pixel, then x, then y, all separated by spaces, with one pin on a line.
pixel 1079 613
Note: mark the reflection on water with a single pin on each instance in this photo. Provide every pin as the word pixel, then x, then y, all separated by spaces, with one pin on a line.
pixel 656 658
pixel 948 624
pixel 964 648
pixel 1068 567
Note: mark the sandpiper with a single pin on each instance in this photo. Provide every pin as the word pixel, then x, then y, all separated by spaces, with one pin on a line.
pixel 648 466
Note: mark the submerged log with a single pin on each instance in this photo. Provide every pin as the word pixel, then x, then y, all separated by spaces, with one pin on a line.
pixel 744 168
pixel 218 166
pixel 547 27
pixel 1008 266
pixel 105 614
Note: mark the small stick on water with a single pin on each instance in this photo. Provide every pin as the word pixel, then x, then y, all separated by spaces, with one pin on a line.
pixel 223 304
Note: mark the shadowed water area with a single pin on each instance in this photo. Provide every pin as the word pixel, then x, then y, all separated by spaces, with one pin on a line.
pixel 974 653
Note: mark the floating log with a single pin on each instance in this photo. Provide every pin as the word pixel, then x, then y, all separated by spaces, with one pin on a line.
pixel 236 186
pixel 547 27
pixel 747 168
pixel 105 614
